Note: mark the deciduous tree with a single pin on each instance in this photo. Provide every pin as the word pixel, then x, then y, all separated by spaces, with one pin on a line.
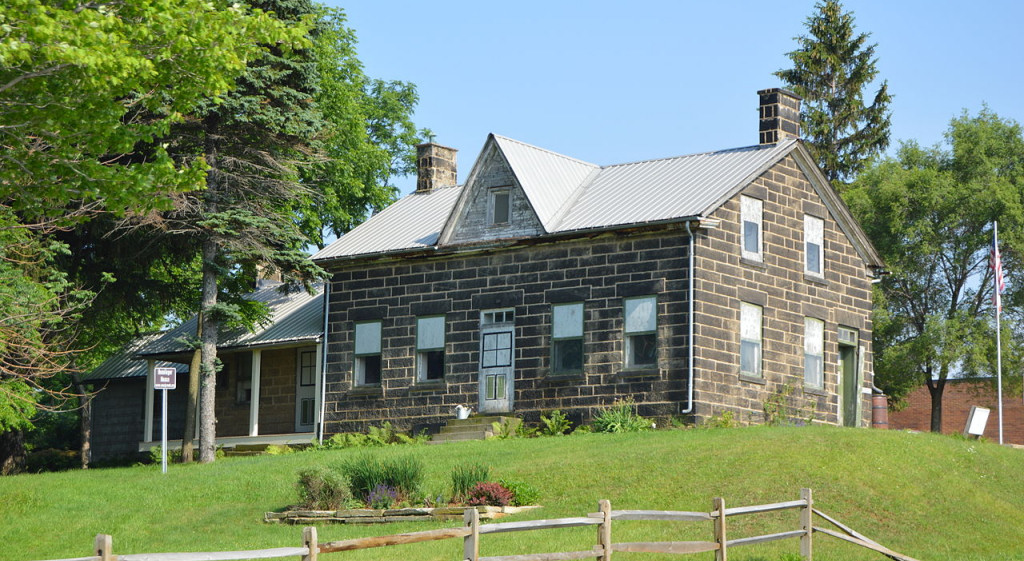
pixel 930 213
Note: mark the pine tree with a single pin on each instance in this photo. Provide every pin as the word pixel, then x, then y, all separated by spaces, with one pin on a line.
pixel 831 69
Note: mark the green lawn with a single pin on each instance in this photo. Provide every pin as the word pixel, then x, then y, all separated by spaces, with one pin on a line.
pixel 931 497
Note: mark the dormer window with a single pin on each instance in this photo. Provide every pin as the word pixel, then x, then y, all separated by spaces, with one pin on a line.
pixel 498 209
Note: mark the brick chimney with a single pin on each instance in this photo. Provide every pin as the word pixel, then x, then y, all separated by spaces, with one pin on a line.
pixel 435 167
pixel 780 115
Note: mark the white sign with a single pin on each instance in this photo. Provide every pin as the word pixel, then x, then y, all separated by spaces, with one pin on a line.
pixel 165 378
pixel 976 421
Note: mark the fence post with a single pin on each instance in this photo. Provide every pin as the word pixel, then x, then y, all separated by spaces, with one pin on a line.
pixel 604 530
pixel 807 525
pixel 718 505
pixel 309 540
pixel 102 547
pixel 471 543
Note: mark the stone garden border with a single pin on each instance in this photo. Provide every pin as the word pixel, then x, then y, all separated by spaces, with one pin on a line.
pixel 381 516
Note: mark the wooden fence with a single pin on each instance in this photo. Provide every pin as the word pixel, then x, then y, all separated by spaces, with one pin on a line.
pixel 472 531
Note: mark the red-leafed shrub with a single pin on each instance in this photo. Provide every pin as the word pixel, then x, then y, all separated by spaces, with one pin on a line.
pixel 490 494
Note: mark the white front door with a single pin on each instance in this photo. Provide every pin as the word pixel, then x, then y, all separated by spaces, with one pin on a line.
pixel 305 389
pixel 497 360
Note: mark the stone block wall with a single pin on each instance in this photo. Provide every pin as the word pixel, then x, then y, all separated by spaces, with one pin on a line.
pixel 277 393
pixel 599 272
pixel 786 294
pixel 118 418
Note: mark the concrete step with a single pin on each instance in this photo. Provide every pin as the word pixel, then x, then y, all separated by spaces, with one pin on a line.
pixel 474 428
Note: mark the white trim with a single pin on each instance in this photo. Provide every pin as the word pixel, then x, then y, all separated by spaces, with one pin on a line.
pixel 254 400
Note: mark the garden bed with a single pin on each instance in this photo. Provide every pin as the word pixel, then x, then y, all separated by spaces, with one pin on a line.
pixel 379 516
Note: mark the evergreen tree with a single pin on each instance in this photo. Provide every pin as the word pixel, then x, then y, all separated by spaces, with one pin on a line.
pixel 831 69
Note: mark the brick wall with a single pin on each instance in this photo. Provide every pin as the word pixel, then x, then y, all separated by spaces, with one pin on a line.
pixel 957 399
pixel 599 272
pixel 786 294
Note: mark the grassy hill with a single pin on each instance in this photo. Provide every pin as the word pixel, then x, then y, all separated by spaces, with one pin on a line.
pixel 931 497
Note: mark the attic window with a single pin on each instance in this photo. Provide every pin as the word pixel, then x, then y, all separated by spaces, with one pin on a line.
pixel 498 209
pixel 751 211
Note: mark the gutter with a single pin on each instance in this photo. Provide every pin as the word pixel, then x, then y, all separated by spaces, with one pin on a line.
pixel 706 224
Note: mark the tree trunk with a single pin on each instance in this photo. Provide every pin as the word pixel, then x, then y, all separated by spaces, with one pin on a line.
pixel 85 424
pixel 12 452
pixel 935 388
pixel 192 402
pixel 208 369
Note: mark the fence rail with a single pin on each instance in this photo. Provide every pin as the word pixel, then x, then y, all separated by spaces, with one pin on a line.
pixel 472 530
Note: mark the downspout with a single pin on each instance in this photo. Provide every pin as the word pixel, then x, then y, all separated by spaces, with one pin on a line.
pixel 689 326
pixel 323 366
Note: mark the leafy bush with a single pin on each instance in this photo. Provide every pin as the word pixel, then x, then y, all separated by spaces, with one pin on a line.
pixel 322 488
pixel 279 449
pixel 523 493
pixel 489 493
pixel 49 459
pixel 384 435
pixel 555 425
pixel 464 477
pixel 621 416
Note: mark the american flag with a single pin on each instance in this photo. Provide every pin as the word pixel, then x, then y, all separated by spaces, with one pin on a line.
pixel 999 284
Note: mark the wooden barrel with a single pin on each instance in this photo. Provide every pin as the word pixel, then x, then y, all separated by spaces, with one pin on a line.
pixel 879 411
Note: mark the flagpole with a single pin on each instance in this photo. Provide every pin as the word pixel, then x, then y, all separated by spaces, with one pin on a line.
pixel 998 299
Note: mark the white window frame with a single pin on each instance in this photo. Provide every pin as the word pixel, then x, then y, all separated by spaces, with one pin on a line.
pixel 492 206
pixel 640 324
pixel 751 212
pixel 367 338
pixel 430 340
pixel 814 353
pixel 751 338
pixel 814 234
pixel 566 333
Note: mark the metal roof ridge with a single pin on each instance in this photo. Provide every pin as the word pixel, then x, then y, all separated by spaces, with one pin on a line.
pixel 753 147
pixel 545 150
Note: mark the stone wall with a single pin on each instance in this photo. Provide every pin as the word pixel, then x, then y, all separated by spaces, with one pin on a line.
pixel 787 295
pixel 599 272
pixel 118 420
pixel 277 392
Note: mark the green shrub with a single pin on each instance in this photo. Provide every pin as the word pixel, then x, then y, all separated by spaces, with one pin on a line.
pixel 555 425
pixel 621 416
pixel 50 459
pixel 464 477
pixel 366 473
pixel 405 475
pixel 322 488
pixel 523 494
pixel 723 420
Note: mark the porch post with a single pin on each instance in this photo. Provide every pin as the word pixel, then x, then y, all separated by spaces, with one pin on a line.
pixel 318 399
pixel 147 431
pixel 254 403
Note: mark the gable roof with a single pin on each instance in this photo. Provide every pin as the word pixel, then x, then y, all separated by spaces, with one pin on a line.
pixel 569 195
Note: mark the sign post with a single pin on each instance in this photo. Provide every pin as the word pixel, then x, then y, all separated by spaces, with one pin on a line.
pixel 165 379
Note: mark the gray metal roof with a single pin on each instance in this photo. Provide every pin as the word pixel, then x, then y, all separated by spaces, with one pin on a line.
pixel 548 179
pixel 413 222
pixel 294 317
pixel 125 364
pixel 657 190
pixel 571 195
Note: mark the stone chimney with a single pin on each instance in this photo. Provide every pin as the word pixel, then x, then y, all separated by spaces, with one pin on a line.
pixel 780 115
pixel 435 167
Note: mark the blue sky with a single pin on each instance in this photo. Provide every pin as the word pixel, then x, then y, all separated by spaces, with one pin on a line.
pixel 611 82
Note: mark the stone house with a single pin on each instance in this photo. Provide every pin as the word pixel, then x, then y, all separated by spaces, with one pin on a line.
pixel 694 285
pixel 269 389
